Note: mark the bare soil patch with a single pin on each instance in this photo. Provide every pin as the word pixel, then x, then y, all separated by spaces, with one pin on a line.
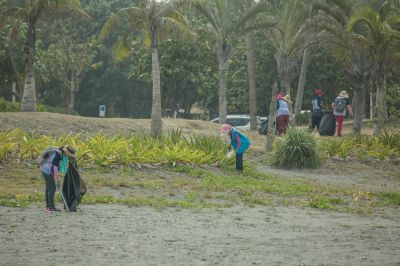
pixel 118 235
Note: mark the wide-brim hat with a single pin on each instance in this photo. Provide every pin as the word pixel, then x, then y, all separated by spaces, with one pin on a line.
pixel 344 94
pixel 69 151
pixel 287 99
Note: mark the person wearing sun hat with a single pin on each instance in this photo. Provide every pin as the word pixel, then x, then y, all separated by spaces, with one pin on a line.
pixel 54 167
pixel 282 114
pixel 340 106
pixel 317 109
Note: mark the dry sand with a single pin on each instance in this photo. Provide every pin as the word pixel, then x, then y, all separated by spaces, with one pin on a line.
pixel 119 235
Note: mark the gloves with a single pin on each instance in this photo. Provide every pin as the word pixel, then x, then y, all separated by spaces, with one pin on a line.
pixel 230 154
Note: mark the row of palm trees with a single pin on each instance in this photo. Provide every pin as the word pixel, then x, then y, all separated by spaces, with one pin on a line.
pixel 364 35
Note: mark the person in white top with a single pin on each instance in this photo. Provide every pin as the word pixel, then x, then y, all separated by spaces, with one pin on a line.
pixel 282 114
pixel 340 106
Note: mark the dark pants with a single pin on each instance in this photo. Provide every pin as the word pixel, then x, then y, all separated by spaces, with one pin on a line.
pixel 50 190
pixel 315 121
pixel 282 124
pixel 239 162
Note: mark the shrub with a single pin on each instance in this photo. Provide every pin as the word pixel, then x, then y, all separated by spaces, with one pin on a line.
pixel 6 106
pixel 297 149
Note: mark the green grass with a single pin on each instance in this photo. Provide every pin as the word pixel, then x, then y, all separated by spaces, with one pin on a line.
pixel 194 187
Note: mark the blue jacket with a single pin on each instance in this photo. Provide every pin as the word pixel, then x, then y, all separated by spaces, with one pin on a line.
pixel 244 141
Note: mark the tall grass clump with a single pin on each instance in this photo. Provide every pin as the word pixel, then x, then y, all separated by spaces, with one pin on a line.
pixel 364 148
pixel 297 149
pixel 103 150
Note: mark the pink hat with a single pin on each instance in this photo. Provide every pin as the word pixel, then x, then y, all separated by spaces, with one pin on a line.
pixel 279 96
pixel 225 128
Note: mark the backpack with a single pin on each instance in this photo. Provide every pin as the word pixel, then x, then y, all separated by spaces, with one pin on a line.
pixel 47 153
pixel 340 105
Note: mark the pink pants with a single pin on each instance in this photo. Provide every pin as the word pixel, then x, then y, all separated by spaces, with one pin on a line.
pixel 339 120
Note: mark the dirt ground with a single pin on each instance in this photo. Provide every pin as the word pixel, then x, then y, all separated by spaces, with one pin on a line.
pixel 240 235
pixel 119 235
pixel 113 234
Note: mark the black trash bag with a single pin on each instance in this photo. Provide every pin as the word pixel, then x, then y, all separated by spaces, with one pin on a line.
pixel 263 127
pixel 327 126
pixel 73 187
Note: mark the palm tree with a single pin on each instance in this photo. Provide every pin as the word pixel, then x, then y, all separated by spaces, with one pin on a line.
pixel 223 28
pixel 378 34
pixel 332 19
pixel 251 68
pixel 287 38
pixel 310 35
pixel 155 21
pixel 30 12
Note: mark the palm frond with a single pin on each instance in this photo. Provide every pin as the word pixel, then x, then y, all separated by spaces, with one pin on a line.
pixel 135 16
pixel 208 11
pixel 260 7
pixel 265 25
pixel 170 26
pixel 368 17
pixel 120 50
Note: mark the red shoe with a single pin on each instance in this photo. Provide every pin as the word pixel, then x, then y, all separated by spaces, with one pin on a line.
pixel 52 209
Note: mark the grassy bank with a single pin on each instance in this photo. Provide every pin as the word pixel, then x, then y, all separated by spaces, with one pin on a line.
pixel 194 187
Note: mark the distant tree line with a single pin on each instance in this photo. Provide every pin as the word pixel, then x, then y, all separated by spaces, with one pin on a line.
pixel 141 58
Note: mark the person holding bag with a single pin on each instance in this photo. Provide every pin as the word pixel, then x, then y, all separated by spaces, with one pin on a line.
pixel 317 110
pixel 53 167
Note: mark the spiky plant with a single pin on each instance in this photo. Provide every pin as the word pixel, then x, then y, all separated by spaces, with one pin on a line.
pixel 297 149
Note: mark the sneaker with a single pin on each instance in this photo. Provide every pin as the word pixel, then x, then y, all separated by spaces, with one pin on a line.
pixel 52 209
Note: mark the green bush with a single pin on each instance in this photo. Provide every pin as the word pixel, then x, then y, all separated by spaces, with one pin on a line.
pixel 297 149
pixel 7 106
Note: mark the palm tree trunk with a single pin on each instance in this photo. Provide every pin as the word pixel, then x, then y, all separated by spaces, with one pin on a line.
pixel 302 78
pixel 385 109
pixel 222 92
pixel 71 97
pixel 156 124
pixel 28 103
pixel 359 101
pixel 251 66
pixel 17 73
pixel 286 74
pixel 271 119
pixel 380 102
